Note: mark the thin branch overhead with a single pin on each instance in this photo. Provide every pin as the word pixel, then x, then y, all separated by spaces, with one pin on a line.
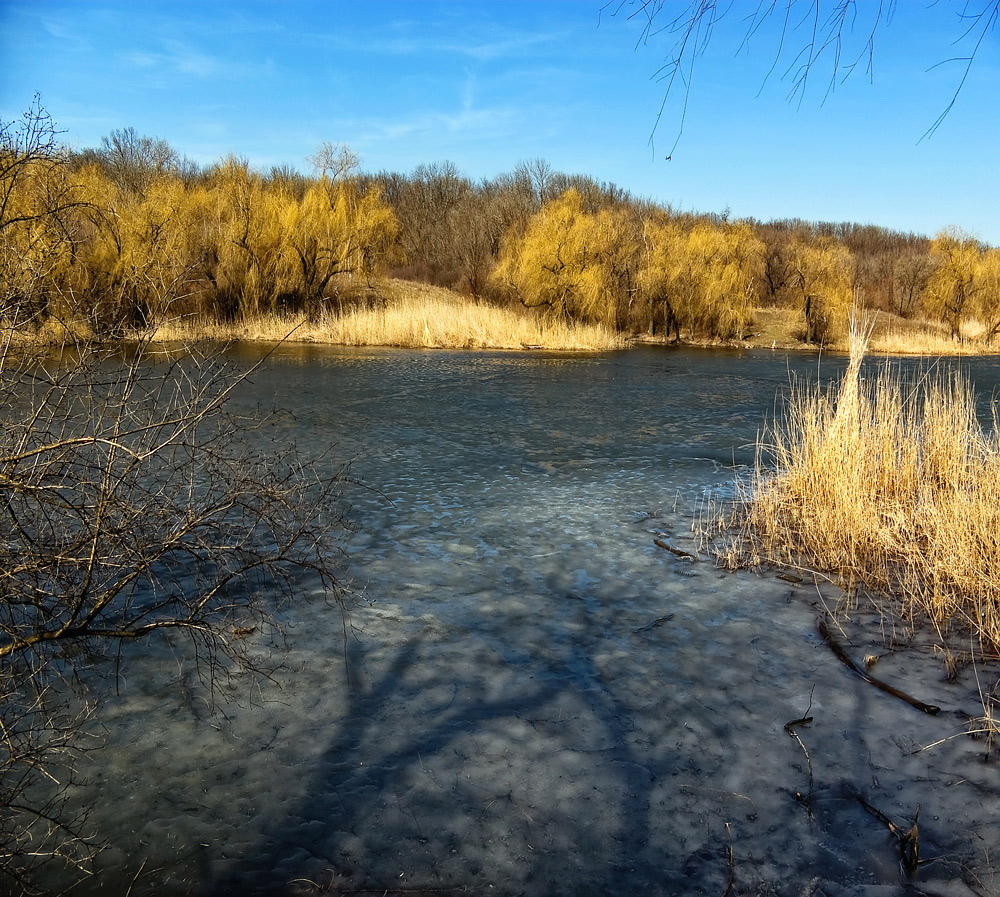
pixel 840 36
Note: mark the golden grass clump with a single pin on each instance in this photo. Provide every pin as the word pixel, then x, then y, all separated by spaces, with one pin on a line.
pixel 885 483
pixel 414 316
pixel 428 318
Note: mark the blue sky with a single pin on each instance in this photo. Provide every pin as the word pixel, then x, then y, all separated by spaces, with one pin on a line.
pixel 487 84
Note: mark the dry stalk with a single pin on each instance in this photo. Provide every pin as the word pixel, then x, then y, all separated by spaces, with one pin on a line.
pixel 790 728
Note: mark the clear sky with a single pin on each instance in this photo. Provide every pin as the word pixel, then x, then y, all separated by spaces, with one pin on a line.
pixel 488 84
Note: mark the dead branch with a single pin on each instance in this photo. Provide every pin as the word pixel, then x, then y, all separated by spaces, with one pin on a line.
pixel 844 658
pixel 790 727
pixel 908 840
pixel 684 555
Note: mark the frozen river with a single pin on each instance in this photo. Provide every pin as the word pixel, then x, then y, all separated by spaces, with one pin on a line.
pixel 532 697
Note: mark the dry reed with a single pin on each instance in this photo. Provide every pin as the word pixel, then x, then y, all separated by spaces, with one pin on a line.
pixel 886 483
pixel 414 316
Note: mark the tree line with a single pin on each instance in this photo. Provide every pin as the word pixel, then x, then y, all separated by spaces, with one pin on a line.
pixel 116 235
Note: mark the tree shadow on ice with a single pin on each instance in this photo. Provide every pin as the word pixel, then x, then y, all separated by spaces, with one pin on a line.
pixel 465 763
pixel 471 757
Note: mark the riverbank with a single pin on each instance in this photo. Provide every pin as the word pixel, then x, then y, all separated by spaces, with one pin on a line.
pixel 417 315
pixel 782 328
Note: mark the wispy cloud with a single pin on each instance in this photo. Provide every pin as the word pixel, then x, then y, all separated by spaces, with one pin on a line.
pixel 482 51
pixel 179 57
pixel 459 38
pixel 68 37
pixel 465 124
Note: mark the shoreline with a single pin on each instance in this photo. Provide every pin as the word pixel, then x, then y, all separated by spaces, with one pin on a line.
pixel 417 315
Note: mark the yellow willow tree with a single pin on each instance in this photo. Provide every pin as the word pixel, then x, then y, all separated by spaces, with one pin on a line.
pixel 726 264
pixel 248 241
pixel 822 274
pixel 663 280
pixel 35 247
pixel 609 280
pixel 954 283
pixel 988 304
pixel 140 254
pixel 92 290
pixel 545 267
pixel 336 237
pixel 705 278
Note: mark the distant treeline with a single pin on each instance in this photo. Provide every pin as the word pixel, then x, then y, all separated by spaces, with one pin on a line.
pixel 118 235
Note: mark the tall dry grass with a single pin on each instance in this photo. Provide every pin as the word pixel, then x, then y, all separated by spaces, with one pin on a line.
pixel 886 483
pixel 898 336
pixel 415 316
pixel 782 327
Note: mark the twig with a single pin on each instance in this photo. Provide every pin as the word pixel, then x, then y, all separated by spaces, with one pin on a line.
pixel 655 623
pixel 790 729
pixel 732 864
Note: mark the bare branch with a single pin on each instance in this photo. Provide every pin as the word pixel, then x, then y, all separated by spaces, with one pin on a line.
pixel 819 32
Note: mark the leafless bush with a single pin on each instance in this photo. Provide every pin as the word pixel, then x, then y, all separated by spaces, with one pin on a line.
pixel 132 505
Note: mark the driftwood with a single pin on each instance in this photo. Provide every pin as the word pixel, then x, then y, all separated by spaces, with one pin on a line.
pixel 659 543
pixel 844 658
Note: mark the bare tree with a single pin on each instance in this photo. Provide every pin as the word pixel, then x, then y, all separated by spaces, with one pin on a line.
pixel 541 175
pixel 37 206
pixel 131 507
pixel 334 161
pixel 135 161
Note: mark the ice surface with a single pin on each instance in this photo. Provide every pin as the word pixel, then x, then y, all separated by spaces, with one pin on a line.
pixel 501 717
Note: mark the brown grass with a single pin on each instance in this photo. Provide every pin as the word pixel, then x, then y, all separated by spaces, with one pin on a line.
pixel 883 483
pixel 54 332
pixel 417 316
pixel 893 335
pixel 782 328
